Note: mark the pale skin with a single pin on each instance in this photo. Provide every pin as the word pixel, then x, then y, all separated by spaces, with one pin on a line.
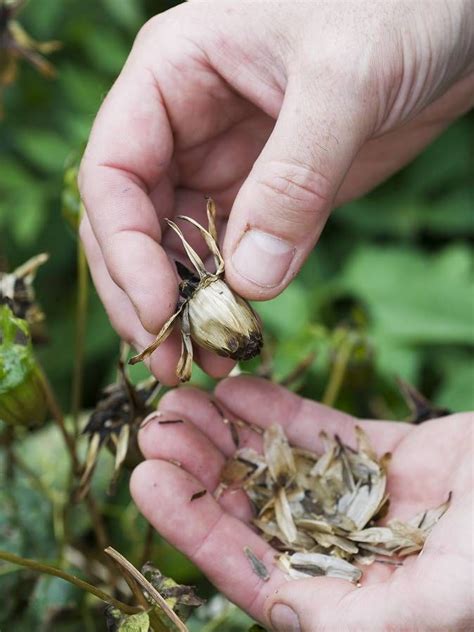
pixel 431 591
pixel 280 111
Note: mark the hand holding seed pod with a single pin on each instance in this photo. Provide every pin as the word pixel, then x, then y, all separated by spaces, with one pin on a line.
pixel 208 311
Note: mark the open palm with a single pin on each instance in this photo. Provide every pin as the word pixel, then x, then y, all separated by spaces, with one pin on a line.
pixel 431 591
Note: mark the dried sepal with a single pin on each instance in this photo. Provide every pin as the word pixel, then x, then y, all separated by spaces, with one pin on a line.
pixel 185 363
pixel 192 254
pixel 210 242
pixel 161 337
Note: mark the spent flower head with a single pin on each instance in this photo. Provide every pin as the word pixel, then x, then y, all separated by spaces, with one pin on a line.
pixel 17 290
pixel 209 313
pixel 115 423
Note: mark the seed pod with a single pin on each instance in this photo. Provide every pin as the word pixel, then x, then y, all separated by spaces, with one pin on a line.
pixel 115 423
pixel 17 290
pixel 22 397
pixel 222 322
pixel 208 311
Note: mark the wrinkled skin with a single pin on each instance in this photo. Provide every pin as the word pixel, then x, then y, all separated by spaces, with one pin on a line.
pixel 431 591
pixel 279 111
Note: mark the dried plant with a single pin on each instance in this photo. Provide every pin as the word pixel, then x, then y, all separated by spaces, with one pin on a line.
pixel 321 511
pixel 115 423
pixel 208 311
pixel 17 290
pixel 15 44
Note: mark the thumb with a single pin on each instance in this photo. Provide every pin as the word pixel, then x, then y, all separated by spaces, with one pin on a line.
pixel 283 205
pixel 308 605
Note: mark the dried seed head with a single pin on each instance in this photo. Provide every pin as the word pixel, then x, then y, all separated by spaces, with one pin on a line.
pixel 17 291
pixel 223 322
pixel 115 423
pixel 208 311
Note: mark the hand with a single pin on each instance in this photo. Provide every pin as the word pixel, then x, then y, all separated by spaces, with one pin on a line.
pixel 431 591
pixel 278 111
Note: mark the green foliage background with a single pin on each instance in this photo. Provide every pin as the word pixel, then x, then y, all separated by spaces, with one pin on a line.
pixel 394 267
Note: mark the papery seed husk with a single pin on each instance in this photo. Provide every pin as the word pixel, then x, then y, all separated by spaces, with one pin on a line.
pixel 223 322
pixel 283 516
pixel 278 455
pixel 314 564
pixel 325 506
pixel 257 565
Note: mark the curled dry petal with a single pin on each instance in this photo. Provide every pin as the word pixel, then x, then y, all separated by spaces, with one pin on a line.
pixel 278 455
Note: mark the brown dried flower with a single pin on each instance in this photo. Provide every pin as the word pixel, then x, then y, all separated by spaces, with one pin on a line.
pixel 115 422
pixel 209 312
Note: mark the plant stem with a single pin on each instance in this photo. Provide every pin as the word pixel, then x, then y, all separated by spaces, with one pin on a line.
pixel 148 544
pixel 96 518
pixel 338 370
pixel 57 413
pixel 81 317
pixel 97 522
pixel 72 579
pixel 128 568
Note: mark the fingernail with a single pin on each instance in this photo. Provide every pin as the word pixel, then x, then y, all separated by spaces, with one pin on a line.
pixel 284 619
pixel 263 258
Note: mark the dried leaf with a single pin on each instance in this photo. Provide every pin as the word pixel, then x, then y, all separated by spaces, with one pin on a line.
pixel 278 455
pixel 283 516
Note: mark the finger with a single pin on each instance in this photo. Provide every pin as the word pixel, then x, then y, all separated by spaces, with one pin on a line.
pixel 214 365
pixel 128 153
pixel 283 205
pixel 197 406
pixel 123 316
pixel 330 604
pixel 211 538
pixel 263 403
pixel 168 437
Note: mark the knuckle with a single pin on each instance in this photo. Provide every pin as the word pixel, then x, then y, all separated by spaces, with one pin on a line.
pixel 148 30
pixel 296 186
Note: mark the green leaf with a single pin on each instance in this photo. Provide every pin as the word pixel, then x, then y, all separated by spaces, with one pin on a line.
pixel 129 15
pixel 415 298
pixel 49 597
pixel 44 149
pixel 22 399
pixel 457 390
pixel 134 623
pixel 106 50
pixel 286 314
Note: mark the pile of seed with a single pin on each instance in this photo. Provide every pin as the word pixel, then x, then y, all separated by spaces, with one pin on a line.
pixel 320 511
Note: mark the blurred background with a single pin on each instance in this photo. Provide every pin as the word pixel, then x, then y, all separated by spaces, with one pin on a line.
pixel 387 293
